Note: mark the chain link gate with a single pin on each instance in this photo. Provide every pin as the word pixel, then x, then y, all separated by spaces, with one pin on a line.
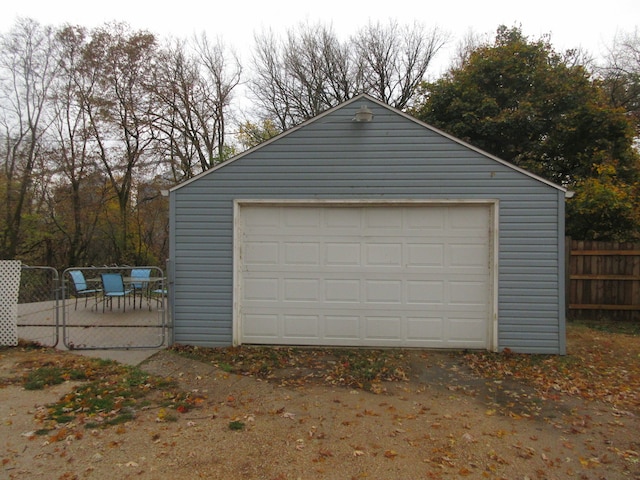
pixel 54 310
pixel 96 317
pixel 38 305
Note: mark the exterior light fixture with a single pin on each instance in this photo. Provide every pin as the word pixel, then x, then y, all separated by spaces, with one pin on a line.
pixel 363 114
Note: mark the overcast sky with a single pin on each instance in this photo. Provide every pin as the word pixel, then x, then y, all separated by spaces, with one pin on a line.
pixel 570 23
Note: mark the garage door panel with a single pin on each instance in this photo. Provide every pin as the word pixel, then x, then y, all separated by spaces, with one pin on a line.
pixel 343 221
pixel 383 291
pixel 387 254
pixel 262 218
pixel 256 326
pixel 425 329
pixel 460 328
pixel 342 290
pixel 342 254
pixel 365 275
pixel 297 218
pixel 342 327
pixel 261 253
pixel 301 290
pixel 468 256
pixel 382 220
pixel 261 289
pixel 459 218
pixel 383 328
pixel 467 293
pixel 301 253
pixel 425 292
pixel 425 255
pixel 425 220
pixel 301 326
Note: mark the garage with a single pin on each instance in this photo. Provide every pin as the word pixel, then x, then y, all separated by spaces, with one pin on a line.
pixel 368 232
pixel 383 274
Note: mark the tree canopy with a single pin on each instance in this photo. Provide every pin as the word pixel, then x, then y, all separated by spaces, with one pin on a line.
pixel 94 123
pixel 312 70
pixel 523 102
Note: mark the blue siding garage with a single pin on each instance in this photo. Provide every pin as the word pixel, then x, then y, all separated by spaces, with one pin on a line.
pixel 379 233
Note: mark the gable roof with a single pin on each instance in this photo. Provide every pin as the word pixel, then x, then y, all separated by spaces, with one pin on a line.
pixel 369 98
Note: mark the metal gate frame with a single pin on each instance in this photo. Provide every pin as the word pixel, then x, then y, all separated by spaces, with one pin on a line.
pixel 93 328
pixel 39 305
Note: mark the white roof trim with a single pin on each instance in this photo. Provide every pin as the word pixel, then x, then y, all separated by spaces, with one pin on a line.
pixel 388 107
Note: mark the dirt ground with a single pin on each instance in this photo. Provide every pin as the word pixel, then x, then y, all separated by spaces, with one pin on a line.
pixel 443 422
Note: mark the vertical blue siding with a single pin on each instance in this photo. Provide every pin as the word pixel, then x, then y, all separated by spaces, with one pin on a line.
pixel 393 157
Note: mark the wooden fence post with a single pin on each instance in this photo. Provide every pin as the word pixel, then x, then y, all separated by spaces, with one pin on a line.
pixel 605 281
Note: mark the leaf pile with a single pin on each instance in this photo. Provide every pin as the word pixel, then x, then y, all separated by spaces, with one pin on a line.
pixel 599 366
pixel 357 368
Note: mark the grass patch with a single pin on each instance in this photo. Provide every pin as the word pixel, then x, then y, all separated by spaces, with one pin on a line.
pixel 47 376
pixel 609 326
pixel 109 393
pixel 236 425
pixel 44 377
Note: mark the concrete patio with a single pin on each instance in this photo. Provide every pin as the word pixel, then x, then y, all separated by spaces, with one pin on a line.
pixel 124 334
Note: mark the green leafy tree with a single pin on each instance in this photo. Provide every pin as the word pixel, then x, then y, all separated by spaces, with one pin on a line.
pixel 252 134
pixel 527 104
pixel 605 207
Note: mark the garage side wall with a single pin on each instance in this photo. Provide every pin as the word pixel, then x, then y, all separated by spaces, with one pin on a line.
pixel 391 157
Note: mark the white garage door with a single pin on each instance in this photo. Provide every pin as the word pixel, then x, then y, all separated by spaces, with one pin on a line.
pixel 413 275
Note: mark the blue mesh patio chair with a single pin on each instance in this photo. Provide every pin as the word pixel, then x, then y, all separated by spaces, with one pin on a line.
pixel 140 279
pixel 113 286
pixel 81 288
pixel 160 295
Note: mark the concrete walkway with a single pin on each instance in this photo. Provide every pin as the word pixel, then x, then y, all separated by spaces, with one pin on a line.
pixel 126 357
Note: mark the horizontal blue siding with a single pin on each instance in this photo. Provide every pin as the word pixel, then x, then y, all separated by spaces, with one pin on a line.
pixel 393 157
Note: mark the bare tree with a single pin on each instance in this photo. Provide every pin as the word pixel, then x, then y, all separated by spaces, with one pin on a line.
pixel 219 74
pixel 312 70
pixel 394 59
pixel 621 74
pixel 298 78
pixel 121 110
pixel 196 87
pixel 74 202
pixel 271 85
pixel 27 70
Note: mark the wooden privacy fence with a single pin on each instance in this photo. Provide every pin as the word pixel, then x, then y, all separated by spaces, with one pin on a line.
pixel 603 280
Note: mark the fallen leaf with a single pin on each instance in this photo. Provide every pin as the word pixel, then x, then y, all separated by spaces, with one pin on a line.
pixel 467 437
